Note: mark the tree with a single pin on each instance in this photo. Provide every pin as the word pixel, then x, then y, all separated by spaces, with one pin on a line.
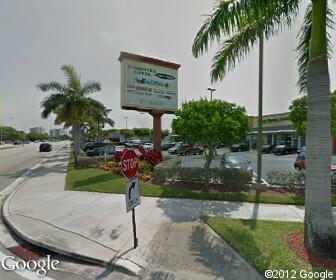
pixel 71 102
pixel 244 20
pixel 165 132
pixel 298 114
pixel 96 122
pixel 210 123
pixel 35 136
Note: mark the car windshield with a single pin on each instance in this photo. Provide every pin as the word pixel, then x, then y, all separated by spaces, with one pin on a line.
pixel 280 146
pixel 235 159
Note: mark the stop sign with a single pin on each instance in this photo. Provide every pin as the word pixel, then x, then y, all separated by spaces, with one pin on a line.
pixel 129 164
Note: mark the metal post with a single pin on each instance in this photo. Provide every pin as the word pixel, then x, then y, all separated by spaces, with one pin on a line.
pixel 0 132
pixel 134 229
pixel 260 101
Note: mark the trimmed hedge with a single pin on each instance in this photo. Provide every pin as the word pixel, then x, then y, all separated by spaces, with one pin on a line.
pixel 291 178
pixel 170 171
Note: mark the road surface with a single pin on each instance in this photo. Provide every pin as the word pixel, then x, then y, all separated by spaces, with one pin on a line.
pixel 15 161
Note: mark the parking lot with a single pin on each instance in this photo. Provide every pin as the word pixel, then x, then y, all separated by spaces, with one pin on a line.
pixel 269 161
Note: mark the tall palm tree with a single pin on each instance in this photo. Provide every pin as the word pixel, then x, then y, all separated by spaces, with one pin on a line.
pixel 243 21
pixel 97 121
pixel 71 102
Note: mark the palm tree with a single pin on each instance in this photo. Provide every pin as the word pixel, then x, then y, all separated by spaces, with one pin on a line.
pixel 244 22
pixel 71 102
pixel 97 121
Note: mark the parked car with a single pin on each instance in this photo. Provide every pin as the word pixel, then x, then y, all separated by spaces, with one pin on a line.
pixel 239 147
pixel 93 145
pixel 284 150
pixel 176 149
pixel 167 145
pixel 187 150
pixel 301 150
pixel 45 147
pixel 17 142
pixel 148 146
pixel 236 161
pixel 101 151
pixel 267 149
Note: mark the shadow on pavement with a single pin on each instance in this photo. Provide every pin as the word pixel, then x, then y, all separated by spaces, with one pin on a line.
pixel 179 211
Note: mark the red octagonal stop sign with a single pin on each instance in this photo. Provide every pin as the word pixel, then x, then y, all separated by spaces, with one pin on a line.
pixel 129 164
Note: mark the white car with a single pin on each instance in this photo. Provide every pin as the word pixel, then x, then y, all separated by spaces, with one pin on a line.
pixel 148 146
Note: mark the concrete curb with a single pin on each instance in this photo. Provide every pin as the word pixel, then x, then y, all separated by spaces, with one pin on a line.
pixel 122 264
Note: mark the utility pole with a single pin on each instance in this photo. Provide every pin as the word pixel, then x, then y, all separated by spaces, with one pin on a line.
pixel 211 91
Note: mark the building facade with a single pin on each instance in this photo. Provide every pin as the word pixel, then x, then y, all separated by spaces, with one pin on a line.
pixel 277 130
pixel 37 129
pixel 57 132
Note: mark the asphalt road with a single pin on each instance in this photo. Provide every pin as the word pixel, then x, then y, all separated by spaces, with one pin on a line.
pixel 15 161
pixel 269 161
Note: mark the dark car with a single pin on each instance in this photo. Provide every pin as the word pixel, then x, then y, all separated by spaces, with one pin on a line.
pixel 45 147
pixel 101 151
pixel 187 150
pixel 284 150
pixel 267 149
pixel 239 147
pixel 93 145
pixel 17 142
pixel 165 146
pixel 236 161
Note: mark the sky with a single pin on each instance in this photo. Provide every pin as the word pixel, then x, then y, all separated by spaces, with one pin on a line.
pixel 39 36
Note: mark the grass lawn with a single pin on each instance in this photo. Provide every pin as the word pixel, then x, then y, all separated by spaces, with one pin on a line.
pixel 262 243
pixel 96 180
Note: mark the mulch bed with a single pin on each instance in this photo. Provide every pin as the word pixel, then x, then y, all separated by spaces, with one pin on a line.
pixel 296 243
pixel 28 252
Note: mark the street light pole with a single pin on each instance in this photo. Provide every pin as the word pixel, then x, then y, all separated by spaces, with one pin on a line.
pixel 211 91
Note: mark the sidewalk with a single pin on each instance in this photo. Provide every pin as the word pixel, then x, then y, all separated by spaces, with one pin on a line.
pixel 95 227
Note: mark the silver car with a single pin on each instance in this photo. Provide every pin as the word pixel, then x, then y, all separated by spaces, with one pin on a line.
pixel 236 161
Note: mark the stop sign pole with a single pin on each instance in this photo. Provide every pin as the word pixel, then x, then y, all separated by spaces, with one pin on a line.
pixel 129 168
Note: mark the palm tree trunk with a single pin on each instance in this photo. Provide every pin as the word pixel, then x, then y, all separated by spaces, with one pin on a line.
pixel 77 132
pixel 320 237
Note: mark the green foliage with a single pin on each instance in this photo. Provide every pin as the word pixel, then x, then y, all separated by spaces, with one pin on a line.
pixel 242 23
pixel 128 133
pixel 145 168
pixel 298 114
pixel 287 178
pixel 11 134
pixel 210 123
pixel 35 136
pixel 84 162
pixel 142 132
pixel 291 178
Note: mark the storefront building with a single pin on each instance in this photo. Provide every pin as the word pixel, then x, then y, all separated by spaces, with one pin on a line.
pixel 277 130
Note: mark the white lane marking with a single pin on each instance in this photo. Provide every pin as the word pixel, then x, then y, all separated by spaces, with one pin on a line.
pixel 262 179
pixel 27 274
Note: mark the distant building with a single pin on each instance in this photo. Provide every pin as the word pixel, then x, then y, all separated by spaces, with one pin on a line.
pixel 277 129
pixel 57 132
pixel 37 129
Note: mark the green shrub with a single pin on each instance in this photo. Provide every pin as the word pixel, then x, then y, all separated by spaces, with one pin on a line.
pixel 230 178
pixel 167 170
pixel 145 168
pixel 285 177
pixel 91 162
pixel 291 178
